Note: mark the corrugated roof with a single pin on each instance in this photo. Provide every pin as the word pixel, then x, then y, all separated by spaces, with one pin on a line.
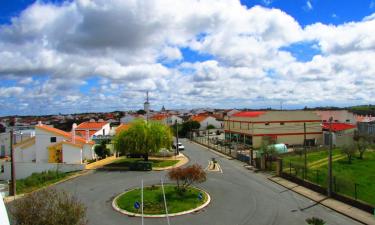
pixel 338 126
pixel 249 114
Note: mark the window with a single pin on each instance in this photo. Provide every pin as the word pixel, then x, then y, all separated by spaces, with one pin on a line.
pixel 282 123
pixel 53 139
pixel 336 121
pixel 348 121
pixel 267 124
pixel 324 120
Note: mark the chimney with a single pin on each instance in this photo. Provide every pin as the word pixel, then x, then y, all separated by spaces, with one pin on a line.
pixel 74 133
pixel 40 123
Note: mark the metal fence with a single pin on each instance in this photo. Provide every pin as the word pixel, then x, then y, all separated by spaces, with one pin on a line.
pixel 343 188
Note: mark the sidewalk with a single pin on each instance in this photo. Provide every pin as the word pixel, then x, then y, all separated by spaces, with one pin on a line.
pixel 340 207
pixel 182 161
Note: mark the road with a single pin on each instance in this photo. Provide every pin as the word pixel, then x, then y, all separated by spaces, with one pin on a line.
pixel 239 196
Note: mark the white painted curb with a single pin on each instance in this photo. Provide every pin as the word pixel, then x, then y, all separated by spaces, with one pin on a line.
pixel 115 207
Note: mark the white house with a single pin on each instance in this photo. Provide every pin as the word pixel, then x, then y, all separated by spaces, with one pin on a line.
pixel 18 136
pixel 167 119
pixel 206 120
pixel 89 129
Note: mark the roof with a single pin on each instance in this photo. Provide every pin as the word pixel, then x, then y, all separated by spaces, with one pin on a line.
pixel 91 125
pixel 159 117
pixel 338 126
pixel 26 142
pixel 198 118
pixel 122 127
pixel 249 114
pixel 62 133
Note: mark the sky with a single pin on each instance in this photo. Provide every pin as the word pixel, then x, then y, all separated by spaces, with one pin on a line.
pixel 103 55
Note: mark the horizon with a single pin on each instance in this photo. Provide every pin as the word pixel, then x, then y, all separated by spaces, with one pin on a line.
pixel 102 56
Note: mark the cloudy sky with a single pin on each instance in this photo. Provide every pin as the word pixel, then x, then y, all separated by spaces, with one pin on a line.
pixel 102 55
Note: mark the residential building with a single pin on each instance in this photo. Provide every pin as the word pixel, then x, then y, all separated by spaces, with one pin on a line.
pixel 51 145
pixel 338 116
pixel 18 136
pixel 128 118
pixel 205 120
pixel 89 129
pixel 253 127
pixel 167 119
pixel 342 133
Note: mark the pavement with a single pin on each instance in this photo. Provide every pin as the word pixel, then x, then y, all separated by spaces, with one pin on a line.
pixel 239 196
pixel 345 209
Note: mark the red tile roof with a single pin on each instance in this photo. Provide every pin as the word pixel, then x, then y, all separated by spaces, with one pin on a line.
pixel 78 139
pixel 338 126
pixel 123 126
pixel 249 114
pixel 91 125
pixel 198 118
pixel 159 117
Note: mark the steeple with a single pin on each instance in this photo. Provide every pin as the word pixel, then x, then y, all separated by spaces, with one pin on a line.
pixel 147 104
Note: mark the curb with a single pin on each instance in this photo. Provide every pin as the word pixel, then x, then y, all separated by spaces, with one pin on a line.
pixel 122 211
pixel 174 166
pixel 320 203
pixel 78 174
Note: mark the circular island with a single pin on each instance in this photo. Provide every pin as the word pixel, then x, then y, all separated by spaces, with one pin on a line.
pixel 179 202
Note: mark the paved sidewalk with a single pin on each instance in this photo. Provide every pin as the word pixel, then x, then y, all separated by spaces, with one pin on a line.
pixel 340 207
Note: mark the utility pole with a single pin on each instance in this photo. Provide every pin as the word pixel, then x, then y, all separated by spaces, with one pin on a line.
pixel 329 186
pixel 208 135
pixel 177 150
pixel 304 149
pixel 12 167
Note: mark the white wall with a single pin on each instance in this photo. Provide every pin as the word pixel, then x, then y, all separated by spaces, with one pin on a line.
pixel 210 121
pixel 88 152
pixel 27 154
pixel 172 119
pixel 106 128
pixel 24 170
pixel 42 141
pixel 72 154
pixel 5 143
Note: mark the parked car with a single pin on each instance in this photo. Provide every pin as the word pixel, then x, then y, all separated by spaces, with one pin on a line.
pixel 180 146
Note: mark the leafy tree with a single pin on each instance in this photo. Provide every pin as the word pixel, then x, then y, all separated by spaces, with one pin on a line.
pixel 210 126
pixel 141 111
pixel 186 127
pixel 349 151
pixel 48 207
pixel 143 138
pixel 101 150
pixel 269 151
pixel 186 176
pixel 362 145
pixel 315 221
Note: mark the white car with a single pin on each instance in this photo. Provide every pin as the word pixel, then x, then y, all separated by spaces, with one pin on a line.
pixel 180 146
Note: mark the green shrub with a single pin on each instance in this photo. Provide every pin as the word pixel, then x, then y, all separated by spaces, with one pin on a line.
pixel 37 180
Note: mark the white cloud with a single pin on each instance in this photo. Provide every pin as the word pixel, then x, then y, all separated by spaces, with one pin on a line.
pixel 127 43
pixel 309 5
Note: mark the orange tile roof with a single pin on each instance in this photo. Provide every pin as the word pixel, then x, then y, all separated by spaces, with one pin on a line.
pixel 159 117
pixel 122 127
pixel 199 118
pixel 91 125
pixel 62 133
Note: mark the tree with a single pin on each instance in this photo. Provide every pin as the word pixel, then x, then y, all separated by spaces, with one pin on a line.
pixel 186 127
pixel 210 126
pixel 143 138
pixel 269 151
pixel 349 151
pixel 362 145
pixel 48 207
pixel 315 221
pixel 141 111
pixel 186 176
pixel 101 150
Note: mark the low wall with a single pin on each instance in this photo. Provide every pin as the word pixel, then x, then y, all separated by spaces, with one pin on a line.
pixel 25 169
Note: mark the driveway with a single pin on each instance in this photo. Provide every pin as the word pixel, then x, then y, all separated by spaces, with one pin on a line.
pixel 239 196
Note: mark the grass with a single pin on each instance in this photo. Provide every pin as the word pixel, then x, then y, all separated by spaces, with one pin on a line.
pixel 126 162
pixel 360 173
pixel 39 180
pixel 154 202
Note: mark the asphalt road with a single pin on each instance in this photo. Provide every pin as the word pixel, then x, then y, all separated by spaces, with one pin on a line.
pixel 239 197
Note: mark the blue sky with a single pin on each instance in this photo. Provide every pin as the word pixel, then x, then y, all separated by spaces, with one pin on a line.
pixel 252 57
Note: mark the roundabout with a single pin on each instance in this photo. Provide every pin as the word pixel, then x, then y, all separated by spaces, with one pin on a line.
pixel 178 202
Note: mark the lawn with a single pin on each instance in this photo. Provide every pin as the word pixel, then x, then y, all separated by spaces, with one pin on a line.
pixel 126 162
pixel 360 174
pixel 39 180
pixel 154 201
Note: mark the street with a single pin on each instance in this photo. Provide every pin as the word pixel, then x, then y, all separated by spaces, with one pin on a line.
pixel 239 196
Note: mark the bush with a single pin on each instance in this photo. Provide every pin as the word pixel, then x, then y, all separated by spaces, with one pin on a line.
pixel 315 221
pixel 48 207
pixel 101 150
pixel 185 176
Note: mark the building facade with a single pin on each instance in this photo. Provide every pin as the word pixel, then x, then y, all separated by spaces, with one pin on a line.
pixel 288 127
